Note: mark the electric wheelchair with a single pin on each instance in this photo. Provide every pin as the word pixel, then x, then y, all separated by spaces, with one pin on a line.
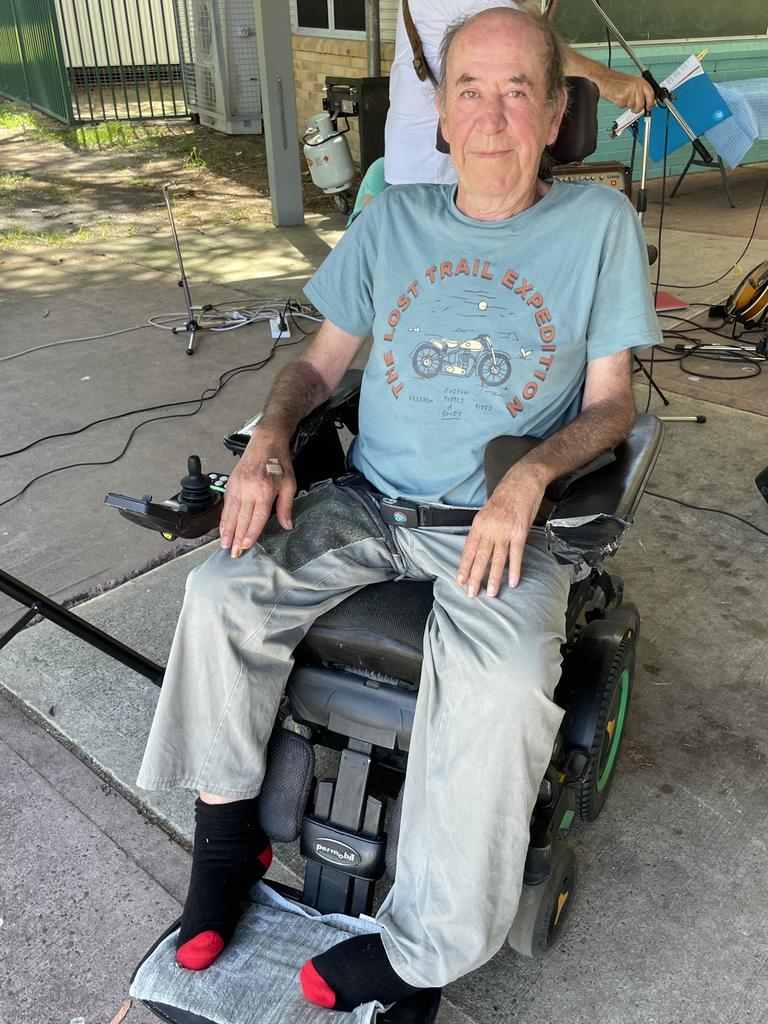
pixel 354 684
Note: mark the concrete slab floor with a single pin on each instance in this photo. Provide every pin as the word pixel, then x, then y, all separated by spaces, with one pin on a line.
pixel 87 884
pixel 61 522
pixel 676 859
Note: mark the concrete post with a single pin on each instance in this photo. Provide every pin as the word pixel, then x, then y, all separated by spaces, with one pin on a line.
pixel 278 100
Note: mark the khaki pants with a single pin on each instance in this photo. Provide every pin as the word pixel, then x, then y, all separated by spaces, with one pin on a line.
pixel 483 731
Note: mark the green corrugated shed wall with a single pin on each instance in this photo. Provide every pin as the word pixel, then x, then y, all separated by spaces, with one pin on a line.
pixel 727 60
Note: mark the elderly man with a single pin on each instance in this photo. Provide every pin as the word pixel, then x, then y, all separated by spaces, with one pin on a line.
pixel 409 150
pixel 539 289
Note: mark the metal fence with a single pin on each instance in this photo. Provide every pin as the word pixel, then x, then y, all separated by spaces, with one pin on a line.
pixel 89 60
pixel 121 58
pixel 31 61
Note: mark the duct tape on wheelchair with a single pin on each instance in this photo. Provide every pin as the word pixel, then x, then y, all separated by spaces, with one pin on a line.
pixel 582 542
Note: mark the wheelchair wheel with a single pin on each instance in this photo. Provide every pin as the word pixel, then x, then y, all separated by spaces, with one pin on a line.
pixel 544 909
pixel 615 691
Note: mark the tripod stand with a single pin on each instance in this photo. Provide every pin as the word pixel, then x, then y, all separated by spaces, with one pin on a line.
pixel 192 324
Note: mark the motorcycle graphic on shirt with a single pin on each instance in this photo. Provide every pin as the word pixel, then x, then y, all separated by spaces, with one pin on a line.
pixel 461 359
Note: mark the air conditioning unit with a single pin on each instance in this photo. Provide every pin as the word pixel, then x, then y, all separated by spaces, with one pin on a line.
pixel 219 62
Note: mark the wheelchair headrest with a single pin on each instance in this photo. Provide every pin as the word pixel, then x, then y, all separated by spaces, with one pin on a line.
pixel 577 137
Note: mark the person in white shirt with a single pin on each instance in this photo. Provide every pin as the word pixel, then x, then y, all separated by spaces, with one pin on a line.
pixel 409 145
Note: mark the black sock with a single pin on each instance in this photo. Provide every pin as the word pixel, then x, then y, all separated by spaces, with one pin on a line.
pixel 353 972
pixel 231 852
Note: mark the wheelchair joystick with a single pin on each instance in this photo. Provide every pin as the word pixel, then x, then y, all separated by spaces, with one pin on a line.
pixel 193 512
pixel 196 491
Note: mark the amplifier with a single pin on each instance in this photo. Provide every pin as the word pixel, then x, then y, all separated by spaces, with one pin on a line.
pixel 611 173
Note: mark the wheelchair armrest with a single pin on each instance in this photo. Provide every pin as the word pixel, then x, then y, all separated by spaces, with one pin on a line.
pixel 588 523
pixel 340 407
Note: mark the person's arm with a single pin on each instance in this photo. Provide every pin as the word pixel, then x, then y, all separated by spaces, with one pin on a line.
pixel 303 385
pixel 498 534
pixel 624 90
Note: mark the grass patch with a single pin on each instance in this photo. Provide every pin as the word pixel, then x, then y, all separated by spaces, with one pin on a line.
pixel 17 238
pixel 10 180
pixel 112 135
pixel 17 120
pixel 194 159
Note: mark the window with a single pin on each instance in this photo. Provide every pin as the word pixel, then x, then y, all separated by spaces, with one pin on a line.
pixel 331 15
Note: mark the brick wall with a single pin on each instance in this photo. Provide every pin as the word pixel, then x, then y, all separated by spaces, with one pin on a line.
pixel 314 57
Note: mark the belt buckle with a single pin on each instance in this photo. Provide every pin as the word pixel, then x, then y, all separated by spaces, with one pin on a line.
pixel 399 512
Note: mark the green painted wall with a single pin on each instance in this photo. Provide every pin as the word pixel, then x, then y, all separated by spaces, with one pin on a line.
pixel 662 19
pixel 727 60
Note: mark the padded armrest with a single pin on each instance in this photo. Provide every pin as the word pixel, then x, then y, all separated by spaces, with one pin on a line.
pixel 340 407
pixel 616 489
pixel 590 520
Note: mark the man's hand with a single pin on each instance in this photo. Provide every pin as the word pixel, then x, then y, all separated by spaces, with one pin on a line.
pixel 623 90
pixel 252 489
pixel 627 91
pixel 499 532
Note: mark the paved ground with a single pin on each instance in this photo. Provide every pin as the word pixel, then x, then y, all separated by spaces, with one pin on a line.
pixel 669 922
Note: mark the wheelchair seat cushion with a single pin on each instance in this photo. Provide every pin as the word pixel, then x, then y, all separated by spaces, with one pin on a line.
pixel 379 629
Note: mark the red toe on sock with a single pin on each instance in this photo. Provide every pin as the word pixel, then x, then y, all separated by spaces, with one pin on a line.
pixel 315 988
pixel 265 857
pixel 200 952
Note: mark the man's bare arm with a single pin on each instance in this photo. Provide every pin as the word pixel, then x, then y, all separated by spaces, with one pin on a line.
pixel 624 90
pixel 498 535
pixel 298 389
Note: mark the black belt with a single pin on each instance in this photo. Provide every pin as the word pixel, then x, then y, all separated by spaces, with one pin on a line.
pixel 404 512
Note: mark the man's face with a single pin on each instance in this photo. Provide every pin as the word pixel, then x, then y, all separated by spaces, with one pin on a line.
pixel 496 116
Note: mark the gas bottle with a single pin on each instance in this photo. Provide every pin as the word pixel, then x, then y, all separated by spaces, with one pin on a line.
pixel 327 155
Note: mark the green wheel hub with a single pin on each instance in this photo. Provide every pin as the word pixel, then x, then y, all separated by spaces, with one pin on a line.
pixel 613 729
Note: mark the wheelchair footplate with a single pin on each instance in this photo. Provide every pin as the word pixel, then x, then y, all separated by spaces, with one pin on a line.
pixel 255 980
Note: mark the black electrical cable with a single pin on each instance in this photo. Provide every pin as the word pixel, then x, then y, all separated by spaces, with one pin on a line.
pixel 104 419
pixel 706 284
pixel 694 326
pixel 119 415
pixel 224 379
pixel 703 508
pixel 723 357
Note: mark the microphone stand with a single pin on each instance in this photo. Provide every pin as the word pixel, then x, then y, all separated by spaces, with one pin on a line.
pixel 192 325
pixel 664 99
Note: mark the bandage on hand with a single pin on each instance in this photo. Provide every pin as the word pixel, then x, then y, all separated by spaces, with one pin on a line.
pixel 274 468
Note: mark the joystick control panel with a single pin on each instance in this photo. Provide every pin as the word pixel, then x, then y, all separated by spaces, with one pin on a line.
pixel 193 512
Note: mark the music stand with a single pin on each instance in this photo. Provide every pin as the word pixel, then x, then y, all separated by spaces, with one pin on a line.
pixel 664 99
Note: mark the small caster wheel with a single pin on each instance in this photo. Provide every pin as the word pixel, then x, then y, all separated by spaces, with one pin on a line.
pixel 614 693
pixel 544 908
pixel 342 201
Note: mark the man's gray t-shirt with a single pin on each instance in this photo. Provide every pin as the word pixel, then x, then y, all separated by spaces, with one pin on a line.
pixel 479 328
